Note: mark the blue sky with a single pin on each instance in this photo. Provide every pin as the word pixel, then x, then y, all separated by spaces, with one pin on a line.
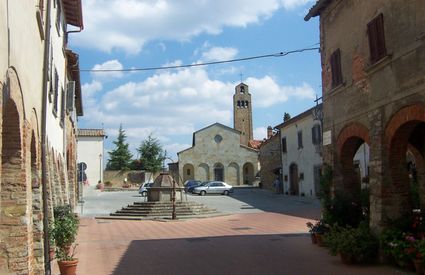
pixel 172 104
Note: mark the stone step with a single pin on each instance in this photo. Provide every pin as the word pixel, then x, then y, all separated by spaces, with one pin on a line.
pixel 165 207
pixel 170 211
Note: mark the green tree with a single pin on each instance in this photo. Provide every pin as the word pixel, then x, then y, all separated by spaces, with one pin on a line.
pixel 151 154
pixel 286 117
pixel 120 157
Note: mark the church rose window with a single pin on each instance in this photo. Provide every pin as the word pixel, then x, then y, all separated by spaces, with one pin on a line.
pixel 218 138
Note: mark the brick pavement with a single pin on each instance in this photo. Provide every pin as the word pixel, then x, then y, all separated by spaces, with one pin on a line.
pixel 255 243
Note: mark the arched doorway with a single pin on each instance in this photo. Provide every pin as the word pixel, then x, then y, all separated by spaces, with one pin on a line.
pixel 219 172
pixel 248 173
pixel 294 188
pixel 405 138
pixel 188 172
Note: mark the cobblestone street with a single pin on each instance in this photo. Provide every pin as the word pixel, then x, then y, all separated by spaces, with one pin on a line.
pixel 242 243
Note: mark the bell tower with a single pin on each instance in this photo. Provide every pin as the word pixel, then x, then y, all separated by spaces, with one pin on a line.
pixel 242 113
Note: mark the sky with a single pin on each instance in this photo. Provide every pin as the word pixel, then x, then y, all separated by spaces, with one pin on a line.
pixel 172 104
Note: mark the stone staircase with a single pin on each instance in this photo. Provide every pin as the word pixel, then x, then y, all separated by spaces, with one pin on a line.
pixel 158 210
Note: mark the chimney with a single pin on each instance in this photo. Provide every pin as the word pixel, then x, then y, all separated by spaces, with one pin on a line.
pixel 269 132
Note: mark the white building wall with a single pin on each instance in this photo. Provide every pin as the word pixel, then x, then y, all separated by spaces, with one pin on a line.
pixel 305 158
pixel 90 151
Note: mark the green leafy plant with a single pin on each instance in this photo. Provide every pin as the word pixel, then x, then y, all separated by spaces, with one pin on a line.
pixel 359 244
pixel 63 231
pixel 318 227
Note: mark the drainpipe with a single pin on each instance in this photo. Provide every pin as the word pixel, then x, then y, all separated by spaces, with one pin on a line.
pixel 47 270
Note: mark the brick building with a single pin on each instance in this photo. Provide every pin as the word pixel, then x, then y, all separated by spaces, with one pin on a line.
pixel 373 79
pixel 269 157
pixel 41 99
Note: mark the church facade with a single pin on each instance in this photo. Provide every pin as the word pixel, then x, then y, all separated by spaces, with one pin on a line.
pixel 222 153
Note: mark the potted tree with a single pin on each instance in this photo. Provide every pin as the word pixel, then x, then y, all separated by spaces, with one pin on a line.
pixel 64 231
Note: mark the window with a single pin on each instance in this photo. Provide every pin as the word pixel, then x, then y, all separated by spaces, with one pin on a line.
pixel 218 138
pixel 375 31
pixel 58 16
pixel 239 103
pixel 242 89
pixel 62 107
pixel 55 93
pixel 300 139
pixel 246 104
pixel 284 144
pixel 188 172
pixel 336 68
pixel 316 134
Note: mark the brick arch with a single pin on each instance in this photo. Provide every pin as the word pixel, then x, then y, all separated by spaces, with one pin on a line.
pixel 349 140
pixel 402 126
pixel 14 185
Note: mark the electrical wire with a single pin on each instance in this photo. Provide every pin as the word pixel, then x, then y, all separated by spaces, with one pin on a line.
pixel 280 54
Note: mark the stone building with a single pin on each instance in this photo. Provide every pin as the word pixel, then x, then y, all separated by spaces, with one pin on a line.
pixel 41 98
pixel 269 157
pixel 373 79
pixel 301 160
pixel 90 152
pixel 222 153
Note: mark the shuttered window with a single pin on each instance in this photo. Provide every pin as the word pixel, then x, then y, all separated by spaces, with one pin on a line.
pixel 316 134
pixel 336 68
pixel 284 150
pixel 300 140
pixel 375 30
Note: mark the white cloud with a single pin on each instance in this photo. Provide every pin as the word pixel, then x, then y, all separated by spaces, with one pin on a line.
pixel 173 104
pixel 108 65
pixel 266 92
pixel 128 24
pixel 260 133
pixel 219 54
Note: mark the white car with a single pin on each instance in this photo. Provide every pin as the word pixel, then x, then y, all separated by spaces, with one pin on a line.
pixel 213 187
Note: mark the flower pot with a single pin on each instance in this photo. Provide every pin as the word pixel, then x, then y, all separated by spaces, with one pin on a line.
pixel 418 266
pixel 319 239
pixel 347 259
pixel 313 238
pixel 68 267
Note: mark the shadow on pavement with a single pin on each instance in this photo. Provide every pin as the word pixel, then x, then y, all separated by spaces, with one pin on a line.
pixel 248 254
pixel 265 200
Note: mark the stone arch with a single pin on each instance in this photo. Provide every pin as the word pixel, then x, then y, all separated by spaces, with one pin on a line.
pixel 404 131
pixel 233 177
pixel 203 172
pixel 188 172
pixel 14 186
pixel 248 173
pixel 219 171
pixel 349 141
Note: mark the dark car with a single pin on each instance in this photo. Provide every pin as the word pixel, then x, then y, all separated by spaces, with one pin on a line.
pixel 143 189
pixel 190 184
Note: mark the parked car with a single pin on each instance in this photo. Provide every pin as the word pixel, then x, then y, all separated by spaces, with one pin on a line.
pixel 213 187
pixel 190 184
pixel 143 189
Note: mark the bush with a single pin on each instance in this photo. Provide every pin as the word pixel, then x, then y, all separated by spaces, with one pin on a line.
pixel 360 245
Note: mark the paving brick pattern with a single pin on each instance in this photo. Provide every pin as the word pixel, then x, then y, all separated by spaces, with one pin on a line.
pixel 255 243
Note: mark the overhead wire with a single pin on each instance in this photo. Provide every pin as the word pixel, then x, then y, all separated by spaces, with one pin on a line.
pixel 279 54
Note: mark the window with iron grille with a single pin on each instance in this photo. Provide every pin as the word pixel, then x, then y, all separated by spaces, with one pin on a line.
pixel 376 34
pixel 284 145
pixel 300 139
pixel 336 68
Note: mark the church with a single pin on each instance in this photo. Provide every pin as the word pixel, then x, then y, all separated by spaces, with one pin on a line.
pixel 222 153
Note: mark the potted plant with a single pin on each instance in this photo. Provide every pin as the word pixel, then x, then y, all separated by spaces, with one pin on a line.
pixel 354 245
pixel 64 231
pixel 317 230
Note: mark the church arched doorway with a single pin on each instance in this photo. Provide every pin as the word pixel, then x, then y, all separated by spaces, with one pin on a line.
pixel 188 172
pixel 218 172
pixel 248 173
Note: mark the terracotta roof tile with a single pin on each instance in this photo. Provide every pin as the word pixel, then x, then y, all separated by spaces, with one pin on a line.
pixel 91 133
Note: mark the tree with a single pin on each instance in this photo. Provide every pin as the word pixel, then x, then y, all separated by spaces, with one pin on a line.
pixel 120 157
pixel 151 154
pixel 286 117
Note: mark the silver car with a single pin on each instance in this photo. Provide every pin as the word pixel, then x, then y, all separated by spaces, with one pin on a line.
pixel 213 187
pixel 143 189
